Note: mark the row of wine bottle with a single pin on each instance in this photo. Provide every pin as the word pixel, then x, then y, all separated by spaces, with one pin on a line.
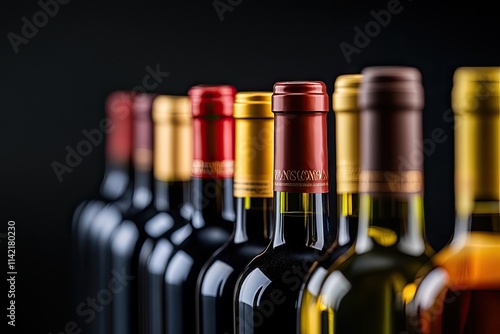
pixel 213 213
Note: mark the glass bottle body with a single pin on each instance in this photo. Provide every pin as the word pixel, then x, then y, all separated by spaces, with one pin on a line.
pixel 267 292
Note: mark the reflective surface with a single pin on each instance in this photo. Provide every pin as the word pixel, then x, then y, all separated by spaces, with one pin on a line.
pixel 215 290
pixel 365 291
pixel 212 222
pixel 115 197
pixel 268 290
pixel 346 235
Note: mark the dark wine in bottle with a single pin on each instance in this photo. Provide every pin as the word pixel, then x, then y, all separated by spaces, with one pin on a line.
pixel 167 223
pixel 213 214
pixel 108 282
pixel 253 176
pixel 115 191
pixel 267 292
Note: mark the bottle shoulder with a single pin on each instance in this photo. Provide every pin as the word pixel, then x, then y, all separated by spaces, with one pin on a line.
pixel 468 262
pixel 198 244
pixel 379 263
pixel 279 267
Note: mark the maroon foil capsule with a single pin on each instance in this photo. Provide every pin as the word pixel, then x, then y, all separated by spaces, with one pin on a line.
pixel 143 132
pixel 119 127
pixel 213 130
pixel 300 132
pixel 391 157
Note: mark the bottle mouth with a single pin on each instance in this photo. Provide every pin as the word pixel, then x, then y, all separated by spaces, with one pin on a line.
pixel 476 90
pixel 253 105
pixel 212 100
pixel 171 107
pixel 346 91
pixel 393 86
pixel 142 106
pixel 300 96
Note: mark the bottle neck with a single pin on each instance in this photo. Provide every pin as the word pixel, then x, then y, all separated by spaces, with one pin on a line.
pixel 485 217
pixel 391 221
pixel 212 198
pixel 301 219
pixel 143 189
pixel 253 219
pixel 477 172
pixel 348 213
pixel 117 179
pixel 172 195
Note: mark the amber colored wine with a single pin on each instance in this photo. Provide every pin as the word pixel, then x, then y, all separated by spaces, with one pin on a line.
pixel 267 292
pixel 462 293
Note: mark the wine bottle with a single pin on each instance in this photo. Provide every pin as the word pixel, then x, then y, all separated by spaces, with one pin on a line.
pixel 267 291
pixel 116 188
pixel 365 290
pixel 213 214
pixel 253 176
pixel 462 293
pixel 168 227
pixel 345 106
pixel 101 272
pixel 129 252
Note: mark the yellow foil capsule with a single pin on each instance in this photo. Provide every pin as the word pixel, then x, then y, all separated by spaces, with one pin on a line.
pixel 254 144
pixel 476 105
pixel 345 106
pixel 173 138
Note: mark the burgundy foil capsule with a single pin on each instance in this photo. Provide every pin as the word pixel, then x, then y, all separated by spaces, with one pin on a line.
pixel 119 126
pixel 213 130
pixel 391 157
pixel 143 132
pixel 301 149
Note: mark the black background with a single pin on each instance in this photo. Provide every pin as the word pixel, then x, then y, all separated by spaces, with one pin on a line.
pixel 56 85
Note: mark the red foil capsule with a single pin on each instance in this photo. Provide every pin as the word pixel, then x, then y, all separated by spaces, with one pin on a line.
pixel 213 131
pixel 119 127
pixel 300 132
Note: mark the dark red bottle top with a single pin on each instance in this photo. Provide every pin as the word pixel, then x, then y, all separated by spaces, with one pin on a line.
pixel 119 127
pixel 300 137
pixel 304 96
pixel 143 131
pixel 212 100
pixel 213 130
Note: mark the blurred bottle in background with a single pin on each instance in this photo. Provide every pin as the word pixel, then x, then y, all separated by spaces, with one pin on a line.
pixel 127 237
pixel 107 283
pixel 116 188
pixel 168 225
pixel 213 214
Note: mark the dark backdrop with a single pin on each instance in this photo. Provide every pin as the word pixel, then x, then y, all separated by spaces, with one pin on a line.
pixel 55 85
